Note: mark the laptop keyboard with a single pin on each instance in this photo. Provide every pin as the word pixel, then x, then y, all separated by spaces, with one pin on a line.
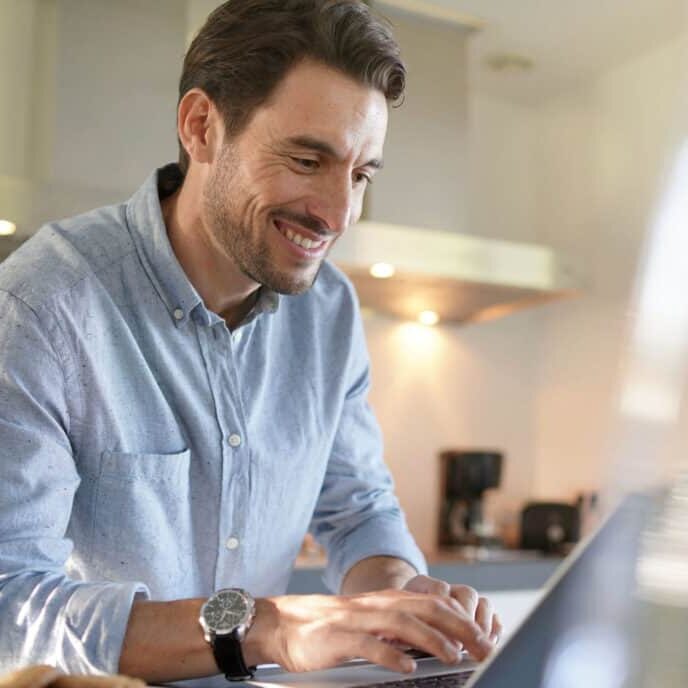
pixel 459 678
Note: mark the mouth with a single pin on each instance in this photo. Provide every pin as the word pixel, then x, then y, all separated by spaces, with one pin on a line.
pixel 303 242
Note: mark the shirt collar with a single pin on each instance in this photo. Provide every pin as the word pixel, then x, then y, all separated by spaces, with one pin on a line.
pixel 148 230
pixel 267 302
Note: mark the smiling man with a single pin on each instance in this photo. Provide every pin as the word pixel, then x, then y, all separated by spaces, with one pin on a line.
pixel 184 381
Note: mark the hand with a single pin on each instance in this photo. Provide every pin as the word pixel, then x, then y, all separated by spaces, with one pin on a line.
pixel 477 608
pixel 30 677
pixel 48 677
pixel 309 632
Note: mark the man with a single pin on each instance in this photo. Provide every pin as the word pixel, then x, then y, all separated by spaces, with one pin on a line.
pixel 171 427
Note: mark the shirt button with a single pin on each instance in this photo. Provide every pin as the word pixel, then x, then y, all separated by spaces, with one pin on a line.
pixel 234 440
pixel 232 543
pixel 236 336
pixel 178 313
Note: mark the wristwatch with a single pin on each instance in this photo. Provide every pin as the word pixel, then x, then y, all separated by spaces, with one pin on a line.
pixel 225 618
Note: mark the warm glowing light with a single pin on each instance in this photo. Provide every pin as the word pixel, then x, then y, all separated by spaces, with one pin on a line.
pixel 428 318
pixel 419 349
pixel 382 270
pixel 7 228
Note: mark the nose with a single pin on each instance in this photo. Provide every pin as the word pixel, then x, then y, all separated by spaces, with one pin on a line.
pixel 335 203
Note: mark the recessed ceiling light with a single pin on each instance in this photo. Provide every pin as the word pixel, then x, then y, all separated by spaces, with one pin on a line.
pixel 7 228
pixel 428 318
pixel 382 270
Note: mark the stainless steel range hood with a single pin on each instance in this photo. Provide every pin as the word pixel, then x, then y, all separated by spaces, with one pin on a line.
pixel 460 277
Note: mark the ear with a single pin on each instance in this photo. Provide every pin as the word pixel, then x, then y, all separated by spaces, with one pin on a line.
pixel 199 126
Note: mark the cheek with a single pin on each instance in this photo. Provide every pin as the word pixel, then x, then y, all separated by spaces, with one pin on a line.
pixel 357 206
pixel 276 185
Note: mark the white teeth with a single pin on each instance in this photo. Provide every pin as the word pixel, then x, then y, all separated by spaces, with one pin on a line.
pixel 302 241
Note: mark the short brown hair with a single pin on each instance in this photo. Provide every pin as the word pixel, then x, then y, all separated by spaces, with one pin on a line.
pixel 245 48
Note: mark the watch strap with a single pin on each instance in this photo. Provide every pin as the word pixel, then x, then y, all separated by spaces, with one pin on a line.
pixel 230 658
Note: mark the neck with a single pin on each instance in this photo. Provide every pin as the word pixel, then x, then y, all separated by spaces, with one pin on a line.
pixel 224 289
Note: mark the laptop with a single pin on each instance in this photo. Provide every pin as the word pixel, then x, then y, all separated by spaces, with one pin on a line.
pixel 585 613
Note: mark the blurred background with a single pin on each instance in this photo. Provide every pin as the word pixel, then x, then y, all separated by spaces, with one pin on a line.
pixel 527 167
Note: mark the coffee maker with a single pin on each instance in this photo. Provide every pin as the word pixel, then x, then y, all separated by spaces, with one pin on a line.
pixel 465 475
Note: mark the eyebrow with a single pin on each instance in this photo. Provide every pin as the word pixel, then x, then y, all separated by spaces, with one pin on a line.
pixel 326 149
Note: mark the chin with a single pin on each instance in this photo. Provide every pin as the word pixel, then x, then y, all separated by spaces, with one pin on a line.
pixel 289 288
pixel 289 285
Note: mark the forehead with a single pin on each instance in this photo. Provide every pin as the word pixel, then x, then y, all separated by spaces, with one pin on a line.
pixel 322 102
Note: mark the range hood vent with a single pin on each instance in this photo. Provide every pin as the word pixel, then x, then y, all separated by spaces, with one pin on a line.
pixel 460 277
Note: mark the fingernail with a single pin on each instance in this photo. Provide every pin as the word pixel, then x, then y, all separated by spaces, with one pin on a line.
pixel 408 665
pixel 482 642
pixel 486 643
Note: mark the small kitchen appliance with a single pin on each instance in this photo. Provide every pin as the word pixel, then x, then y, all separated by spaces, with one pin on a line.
pixel 465 476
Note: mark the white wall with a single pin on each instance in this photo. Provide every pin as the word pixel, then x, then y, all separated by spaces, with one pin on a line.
pixel 450 387
pixel 605 152
pixel 17 19
pixel 501 181
pixel 94 93
pixel 117 67
pixel 424 180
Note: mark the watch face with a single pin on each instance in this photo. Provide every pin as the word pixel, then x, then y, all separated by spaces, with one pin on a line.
pixel 225 611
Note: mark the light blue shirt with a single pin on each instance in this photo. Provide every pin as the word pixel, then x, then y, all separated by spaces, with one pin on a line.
pixel 147 450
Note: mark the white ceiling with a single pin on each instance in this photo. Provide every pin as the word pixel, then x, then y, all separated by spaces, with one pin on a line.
pixel 567 39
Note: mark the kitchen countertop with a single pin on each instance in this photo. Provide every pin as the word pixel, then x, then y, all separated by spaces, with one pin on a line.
pixel 513 570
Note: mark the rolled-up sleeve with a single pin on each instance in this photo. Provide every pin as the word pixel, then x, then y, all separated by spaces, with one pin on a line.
pixel 357 514
pixel 44 616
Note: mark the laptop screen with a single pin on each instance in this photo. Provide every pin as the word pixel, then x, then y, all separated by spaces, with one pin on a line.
pixel 583 624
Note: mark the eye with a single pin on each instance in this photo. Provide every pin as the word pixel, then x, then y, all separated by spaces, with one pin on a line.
pixel 307 163
pixel 362 178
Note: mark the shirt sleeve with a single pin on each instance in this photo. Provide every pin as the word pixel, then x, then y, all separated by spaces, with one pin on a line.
pixel 45 618
pixel 357 514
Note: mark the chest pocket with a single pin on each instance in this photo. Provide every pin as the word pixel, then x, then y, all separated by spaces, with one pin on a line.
pixel 142 526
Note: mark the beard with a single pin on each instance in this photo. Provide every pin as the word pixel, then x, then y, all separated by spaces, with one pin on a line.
pixel 227 213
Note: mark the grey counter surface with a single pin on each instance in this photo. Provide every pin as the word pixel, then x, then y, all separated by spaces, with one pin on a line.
pixel 502 575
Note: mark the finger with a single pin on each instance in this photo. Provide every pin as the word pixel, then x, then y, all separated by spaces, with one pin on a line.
pixel 30 677
pixel 450 617
pixel 429 585
pixel 408 629
pixel 497 629
pixel 443 613
pixel 483 615
pixel 467 597
pixel 381 652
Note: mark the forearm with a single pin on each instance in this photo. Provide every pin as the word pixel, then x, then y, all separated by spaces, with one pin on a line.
pixel 164 642
pixel 377 573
